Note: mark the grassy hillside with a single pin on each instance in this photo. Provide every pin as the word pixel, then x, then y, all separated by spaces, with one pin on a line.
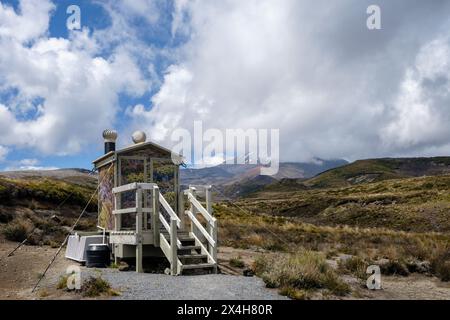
pixel 368 171
pixel 243 188
pixel 355 248
pixel 412 204
pixel 402 225
pixel 44 190
pixel 45 207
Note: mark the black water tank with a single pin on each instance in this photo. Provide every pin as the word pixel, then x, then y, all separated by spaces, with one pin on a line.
pixel 98 256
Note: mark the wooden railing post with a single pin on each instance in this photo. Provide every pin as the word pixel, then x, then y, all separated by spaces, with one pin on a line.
pixel 155 216
pixel 210 227
pixel 192 208
pixel 181 213
pixel 117 217
pixel 145 205
pixel 213 250
pixel 173 247
pixel 208 196
pixel 117 223
pixel 139 230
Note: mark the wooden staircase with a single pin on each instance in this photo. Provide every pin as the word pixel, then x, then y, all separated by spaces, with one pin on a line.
pixel 192 251
pixel 190 256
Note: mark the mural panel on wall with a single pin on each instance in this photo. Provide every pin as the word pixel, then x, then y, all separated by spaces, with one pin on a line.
pixel 105 198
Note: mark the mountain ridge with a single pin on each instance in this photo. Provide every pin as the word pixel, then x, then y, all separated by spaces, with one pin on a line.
pixel 227 174
pixel 368 171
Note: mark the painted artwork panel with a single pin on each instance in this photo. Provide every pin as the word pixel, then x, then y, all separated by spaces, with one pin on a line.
pixel 106 198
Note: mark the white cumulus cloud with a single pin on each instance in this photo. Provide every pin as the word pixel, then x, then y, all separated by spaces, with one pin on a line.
pixel 78 90
pixel 312 70
pixel 3 152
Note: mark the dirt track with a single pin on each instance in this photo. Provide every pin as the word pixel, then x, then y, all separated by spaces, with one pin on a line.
pixel 20 272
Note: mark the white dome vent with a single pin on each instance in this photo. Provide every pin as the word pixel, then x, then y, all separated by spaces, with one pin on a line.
pixel 139 137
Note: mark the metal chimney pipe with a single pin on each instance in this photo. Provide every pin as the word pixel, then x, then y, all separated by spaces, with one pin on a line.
pixel 110 137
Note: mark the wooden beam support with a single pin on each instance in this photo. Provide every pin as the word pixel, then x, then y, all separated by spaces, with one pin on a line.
pixel 173 247
pixel 139 230
pixel 155 216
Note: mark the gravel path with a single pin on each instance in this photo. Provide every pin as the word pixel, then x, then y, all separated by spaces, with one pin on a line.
pixel 146 286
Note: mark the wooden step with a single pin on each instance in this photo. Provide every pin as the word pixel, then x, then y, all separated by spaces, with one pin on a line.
pixel 198 266
pixel 181 237
pixel 189 248
pixel 192 256
pixel 180 233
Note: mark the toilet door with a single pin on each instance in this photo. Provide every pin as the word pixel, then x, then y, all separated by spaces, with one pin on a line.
pixel 132 169
pixel 164 174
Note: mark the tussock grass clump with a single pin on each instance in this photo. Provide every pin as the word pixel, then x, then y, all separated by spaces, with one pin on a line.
pixel 96 286
pixel 395 267
pixel 237 262
pixel 92 287
pixel 354 265
pixel 297 274
pixel 5 216
pixel 358 267
pixel 62 282
pixel 43 293
pixel 440 263
pixel 295 293
pixel 16 231
pixel 442 270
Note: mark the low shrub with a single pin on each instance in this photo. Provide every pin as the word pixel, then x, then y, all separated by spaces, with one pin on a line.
pixel 96 286
pixel 442 270
pixel 62 282
pixel 43 293
pixel 5 216
pixel 306 270
pixel 237 262
pixel 294 293
pixel 16 231
pixel 394 267
pixel 440 263
pixel 354 265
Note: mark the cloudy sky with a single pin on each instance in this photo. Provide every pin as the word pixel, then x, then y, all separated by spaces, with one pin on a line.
pixel 309 68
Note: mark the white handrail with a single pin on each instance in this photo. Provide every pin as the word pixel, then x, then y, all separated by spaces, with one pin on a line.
pixel 170 250
pixel 210 233
pixel 164 222
pixel 134 186
pixel 201 209
pixel 169 209
pixel 204 249
pixel 201 228
pixel 126 187
pixel 167 226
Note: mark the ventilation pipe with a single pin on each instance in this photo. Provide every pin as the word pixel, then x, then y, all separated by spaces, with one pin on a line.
pixel 110 137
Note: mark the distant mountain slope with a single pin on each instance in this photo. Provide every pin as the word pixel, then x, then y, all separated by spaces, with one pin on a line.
pixel 239 180
pixel 373 170
pixel 70 175
pixel 227 174
pixel 366 171
pixel 244 187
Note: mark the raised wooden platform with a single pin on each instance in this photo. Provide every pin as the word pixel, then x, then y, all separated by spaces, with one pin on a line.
pixel 194 249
